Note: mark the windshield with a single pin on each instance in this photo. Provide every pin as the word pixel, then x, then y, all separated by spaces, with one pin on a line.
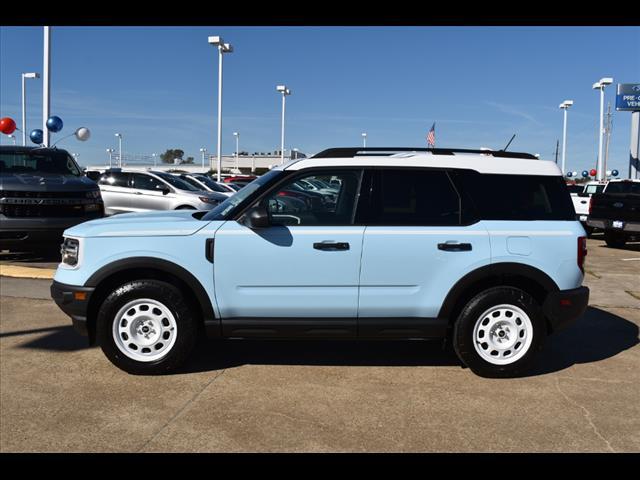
pixel 222 211
pixel 209 182
pixel 177 182
pixel 623 187
pixel 40 162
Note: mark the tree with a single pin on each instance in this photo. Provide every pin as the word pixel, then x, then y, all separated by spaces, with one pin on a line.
pixel 171 154
pixel 188 160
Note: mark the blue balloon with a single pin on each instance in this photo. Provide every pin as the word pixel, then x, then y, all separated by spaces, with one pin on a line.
pixel 36 136
pixel 614 173
pixel 585 173
pixel 569 174
pixel 54 124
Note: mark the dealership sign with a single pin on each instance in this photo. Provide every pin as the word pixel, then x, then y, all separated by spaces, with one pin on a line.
pixel 628 97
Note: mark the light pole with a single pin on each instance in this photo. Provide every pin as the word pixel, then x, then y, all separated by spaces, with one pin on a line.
pixel 46 85
pixel 285 91
pixel 600 86
pixel 564 106
pixel 110 152
pixel 222 48
pixel 364 140
pixel 237 135
pixel 154 156
pixel 24 104
pixel 203 151
pixel 119 135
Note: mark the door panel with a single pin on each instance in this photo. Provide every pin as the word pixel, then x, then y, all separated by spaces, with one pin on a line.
pixel 147 194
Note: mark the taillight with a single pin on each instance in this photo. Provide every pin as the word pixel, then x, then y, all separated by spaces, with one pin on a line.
pixel 582 252
pixel 590 204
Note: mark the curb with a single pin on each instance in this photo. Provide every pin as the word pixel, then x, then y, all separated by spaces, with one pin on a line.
pixel 26 272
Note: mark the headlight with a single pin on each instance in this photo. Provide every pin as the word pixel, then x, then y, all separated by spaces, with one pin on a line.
pixel 93 194
pixel 212 201
pixel 70 251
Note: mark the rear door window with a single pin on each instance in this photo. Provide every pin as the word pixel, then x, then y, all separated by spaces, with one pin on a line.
pixel 115 179
pixel 410 197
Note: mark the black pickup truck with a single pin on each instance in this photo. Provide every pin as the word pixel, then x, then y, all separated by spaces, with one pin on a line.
pixel 617 211
pixel 42 193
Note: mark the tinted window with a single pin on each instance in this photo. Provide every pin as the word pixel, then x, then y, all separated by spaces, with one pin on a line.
pixel 591 189
pixel 411 197
pixel 516 197
pixel 177 182
pixel 575 188
pixel 146 182
pixel 115 179
pixel 292 205
pixel 623 187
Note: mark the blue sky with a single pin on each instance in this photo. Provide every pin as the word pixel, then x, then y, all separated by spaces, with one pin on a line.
pixel 158 86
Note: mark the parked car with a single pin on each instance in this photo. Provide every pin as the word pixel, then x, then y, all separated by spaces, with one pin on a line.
pixel 617 211
pixel 479 247
pixel 581 202
pixel 42 193
pixel 126 190
pixel 206 183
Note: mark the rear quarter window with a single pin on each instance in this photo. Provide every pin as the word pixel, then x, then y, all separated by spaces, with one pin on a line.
pixel 516 197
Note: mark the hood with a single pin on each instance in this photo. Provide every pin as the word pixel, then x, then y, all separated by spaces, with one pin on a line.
pixel 148 224
pixel 45 182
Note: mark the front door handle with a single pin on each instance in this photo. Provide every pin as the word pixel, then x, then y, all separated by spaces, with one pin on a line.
pixel 329 245
pixel 454 247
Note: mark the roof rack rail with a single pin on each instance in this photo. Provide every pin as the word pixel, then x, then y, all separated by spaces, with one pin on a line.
pixel 342 152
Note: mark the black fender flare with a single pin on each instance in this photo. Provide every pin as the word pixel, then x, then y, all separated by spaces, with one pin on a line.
pixel 165 266
pixel 495 269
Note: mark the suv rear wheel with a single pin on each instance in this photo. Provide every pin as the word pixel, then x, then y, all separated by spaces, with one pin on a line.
pixel 614 239
pixel 498 332
pixel 146 327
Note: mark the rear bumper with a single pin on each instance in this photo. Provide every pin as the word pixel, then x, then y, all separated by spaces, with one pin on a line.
pixel 74 301
pixel 607 224
pixel 565 306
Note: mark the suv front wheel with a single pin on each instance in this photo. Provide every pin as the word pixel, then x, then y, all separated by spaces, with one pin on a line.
pixel 146 327
pixel 498 332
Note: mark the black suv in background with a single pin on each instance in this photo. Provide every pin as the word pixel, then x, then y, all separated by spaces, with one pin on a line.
pixel 42 192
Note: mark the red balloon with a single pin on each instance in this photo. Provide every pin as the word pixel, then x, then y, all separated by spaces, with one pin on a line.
pixel 593 172
pixel 7 125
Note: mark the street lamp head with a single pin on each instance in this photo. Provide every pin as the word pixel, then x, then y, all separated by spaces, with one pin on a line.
pixel 216 40
pixel 566 104
pixel 606 81
pixel 283 89
pixel 119 135
pixel 203 149
pixel 31 75
pixel 227 48
pixel 597 86
pixel 236 134
pixel 110 150
pixel 364 134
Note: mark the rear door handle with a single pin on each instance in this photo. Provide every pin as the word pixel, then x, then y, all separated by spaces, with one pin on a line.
pixel 329 245
pixel 454 247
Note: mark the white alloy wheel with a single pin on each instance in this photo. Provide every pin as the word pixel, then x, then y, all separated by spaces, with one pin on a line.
pixel 145 330
pixel 502 334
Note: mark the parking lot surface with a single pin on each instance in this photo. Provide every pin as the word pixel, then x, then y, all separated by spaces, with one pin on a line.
pixel 58 395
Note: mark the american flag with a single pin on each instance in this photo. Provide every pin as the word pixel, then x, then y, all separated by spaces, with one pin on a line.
pixel 431 136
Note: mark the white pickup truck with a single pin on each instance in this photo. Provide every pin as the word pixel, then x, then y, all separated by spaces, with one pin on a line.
pixel 581 202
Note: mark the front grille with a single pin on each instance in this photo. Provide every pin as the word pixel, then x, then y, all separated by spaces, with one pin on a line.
pixel 19 194
pixel 42 210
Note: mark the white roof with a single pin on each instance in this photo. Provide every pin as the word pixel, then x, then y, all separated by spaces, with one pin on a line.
pixel 477 162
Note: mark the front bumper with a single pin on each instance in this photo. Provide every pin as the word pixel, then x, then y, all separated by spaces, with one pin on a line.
pixel 74 301
pixel 21 232
pixel 565 306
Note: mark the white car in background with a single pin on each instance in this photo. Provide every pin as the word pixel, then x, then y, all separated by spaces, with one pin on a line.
pixel 581 202
pixel 206 183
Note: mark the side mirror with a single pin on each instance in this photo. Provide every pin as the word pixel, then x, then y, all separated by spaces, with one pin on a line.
pixel 257 217
pixel 165 190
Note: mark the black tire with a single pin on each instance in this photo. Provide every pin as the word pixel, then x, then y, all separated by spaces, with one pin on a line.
pixel 463 332
pixel 588 230
pixel 173 299
pixel 614 239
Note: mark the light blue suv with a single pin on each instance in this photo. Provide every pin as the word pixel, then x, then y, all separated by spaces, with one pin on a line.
pixel 478 247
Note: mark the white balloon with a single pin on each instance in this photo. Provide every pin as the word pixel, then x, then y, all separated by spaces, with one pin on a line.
pixel 83 134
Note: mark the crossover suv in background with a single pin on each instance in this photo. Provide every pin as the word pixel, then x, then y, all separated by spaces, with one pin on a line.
pixel 478 247
pixel 42 193
pixel 139 191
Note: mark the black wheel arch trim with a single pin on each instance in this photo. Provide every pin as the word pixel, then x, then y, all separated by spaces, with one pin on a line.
pixel 493 270
pixel 163 265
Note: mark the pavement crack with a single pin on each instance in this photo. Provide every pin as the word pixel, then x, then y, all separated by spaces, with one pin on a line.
pixel 179 412
pixel 587 415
